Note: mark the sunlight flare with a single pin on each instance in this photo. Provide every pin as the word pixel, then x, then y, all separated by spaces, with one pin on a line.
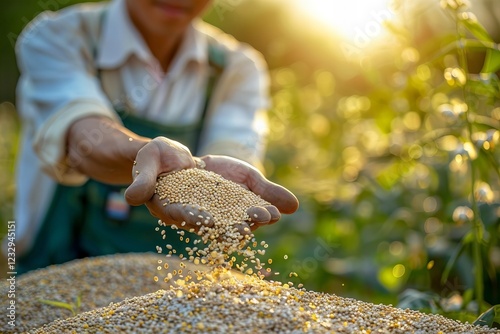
pixel 350 19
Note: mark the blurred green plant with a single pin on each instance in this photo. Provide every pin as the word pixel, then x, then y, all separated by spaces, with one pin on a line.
pixel 401 180
pixel 9 128
pixel 477 133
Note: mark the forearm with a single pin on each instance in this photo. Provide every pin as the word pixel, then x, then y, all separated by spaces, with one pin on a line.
pixel 103 150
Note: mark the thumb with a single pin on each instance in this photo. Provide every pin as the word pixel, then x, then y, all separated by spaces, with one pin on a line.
pixel 159 155
pixel 144 173
pixel 142 188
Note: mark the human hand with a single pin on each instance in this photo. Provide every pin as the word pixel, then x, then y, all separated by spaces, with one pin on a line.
pixel 191 217
pixel 238 171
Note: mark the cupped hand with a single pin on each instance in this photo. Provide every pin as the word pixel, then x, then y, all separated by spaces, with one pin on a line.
pixel 163 155
pixel 238 171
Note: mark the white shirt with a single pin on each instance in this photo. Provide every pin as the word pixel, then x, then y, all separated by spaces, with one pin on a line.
pixel 58 86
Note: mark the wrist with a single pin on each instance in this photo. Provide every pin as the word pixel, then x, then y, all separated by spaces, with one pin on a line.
pixel 130 145
pixel 103 149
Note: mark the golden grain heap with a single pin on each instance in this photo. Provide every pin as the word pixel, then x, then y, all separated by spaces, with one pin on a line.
pixel 95 282
pixel 223 207
pixel 227 304
pixel 213 298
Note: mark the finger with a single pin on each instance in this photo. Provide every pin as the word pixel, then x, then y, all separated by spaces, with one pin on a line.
pixel 159 155
pixel 142 188
pixel 274 212
pixel 277 195
pixel 144 173
pixel 272 216
pixel 258 215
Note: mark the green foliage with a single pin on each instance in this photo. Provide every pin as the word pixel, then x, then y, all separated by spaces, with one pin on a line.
pixel 9 128
pixel 490 318
pixel 492 62
pixel 401 179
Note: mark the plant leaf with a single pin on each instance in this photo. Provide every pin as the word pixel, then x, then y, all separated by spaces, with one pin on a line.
pixel 418 300
pixel 492 61
pixel 57 304
pixel 489 317
pixel 477 29
pixel 462 316
pixel 456 253
pixel 467 296
pixel 78 301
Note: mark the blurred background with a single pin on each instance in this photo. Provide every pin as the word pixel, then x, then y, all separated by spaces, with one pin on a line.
pixel 385 123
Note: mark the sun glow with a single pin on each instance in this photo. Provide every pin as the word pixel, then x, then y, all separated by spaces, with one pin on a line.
pixel 351 19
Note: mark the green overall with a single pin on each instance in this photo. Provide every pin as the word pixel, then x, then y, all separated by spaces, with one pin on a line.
pixel 93 219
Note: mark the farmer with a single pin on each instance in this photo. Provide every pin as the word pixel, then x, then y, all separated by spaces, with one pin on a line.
pixel 113 94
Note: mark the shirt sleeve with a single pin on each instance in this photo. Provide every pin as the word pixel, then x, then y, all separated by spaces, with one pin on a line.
pixel 57 87
pixel 237 120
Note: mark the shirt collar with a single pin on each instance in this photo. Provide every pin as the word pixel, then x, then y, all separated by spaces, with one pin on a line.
pixel 192 49
pixel 120 39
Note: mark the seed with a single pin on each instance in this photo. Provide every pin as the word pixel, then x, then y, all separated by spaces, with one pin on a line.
pixel 218 301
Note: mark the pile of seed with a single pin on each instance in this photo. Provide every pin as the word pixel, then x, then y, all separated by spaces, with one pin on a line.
pixel 227 204
pixel 98 281
pixel 230 305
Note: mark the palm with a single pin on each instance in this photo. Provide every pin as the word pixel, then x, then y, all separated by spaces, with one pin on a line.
pixel 250 178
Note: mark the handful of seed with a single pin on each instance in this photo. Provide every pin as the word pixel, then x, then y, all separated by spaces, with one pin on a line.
pixel 225 200
pixel 227 203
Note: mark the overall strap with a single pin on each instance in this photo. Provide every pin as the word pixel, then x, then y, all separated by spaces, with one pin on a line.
pixel 217 61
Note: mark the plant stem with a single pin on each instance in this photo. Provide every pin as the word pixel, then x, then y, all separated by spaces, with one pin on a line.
pixel 477 223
